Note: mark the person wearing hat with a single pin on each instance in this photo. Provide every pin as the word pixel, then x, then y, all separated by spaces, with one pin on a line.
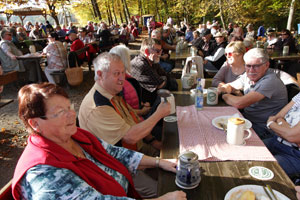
pixel 215 60
pixel 83 36
pixel 250 31
pixel 206 44
pixel 214 29
pixel 272 39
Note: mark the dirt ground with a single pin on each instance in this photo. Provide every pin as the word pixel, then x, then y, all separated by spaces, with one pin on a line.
pixel 13 135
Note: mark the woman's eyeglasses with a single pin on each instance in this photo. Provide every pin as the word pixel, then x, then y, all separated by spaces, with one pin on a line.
pixel 229 54
pixel 60 113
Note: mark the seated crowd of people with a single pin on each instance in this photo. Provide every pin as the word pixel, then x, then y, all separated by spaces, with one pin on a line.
pixel 50 40
pixel 120 118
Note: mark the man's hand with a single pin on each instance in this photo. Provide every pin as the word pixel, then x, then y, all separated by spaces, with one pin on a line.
pixel 157 144
pixel 163 109
pixel 225 88
pixel 13 57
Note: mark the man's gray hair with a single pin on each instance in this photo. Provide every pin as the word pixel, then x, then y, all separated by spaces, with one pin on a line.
pixel 3 33
pixel 122 51
pixel 257 53
pixel 103 61
pixel 148 43
pixel 155 32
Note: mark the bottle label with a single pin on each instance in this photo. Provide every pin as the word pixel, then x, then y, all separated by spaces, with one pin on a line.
pixel 199 102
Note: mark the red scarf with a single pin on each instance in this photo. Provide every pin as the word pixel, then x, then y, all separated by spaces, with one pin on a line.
pixel 43 151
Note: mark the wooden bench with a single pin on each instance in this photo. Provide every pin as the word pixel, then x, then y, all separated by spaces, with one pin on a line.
pixel 5 79
pixel 6 192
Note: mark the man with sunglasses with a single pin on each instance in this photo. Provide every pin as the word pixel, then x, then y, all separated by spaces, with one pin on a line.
pixel 146 70
pixel 264 93
pixel 286 39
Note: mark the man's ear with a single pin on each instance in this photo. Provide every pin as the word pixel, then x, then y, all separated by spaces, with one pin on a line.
pixel 99 73
pixel 147 52
pixel 33 123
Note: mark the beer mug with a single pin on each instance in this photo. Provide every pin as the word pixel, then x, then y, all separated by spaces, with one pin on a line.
pixel 212 96
pixel 236 131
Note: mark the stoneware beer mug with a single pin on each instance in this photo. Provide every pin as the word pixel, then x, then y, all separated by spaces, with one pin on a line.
pixel 212 96
pixel 285 50
pixel 188 170
pixel 187 81
pixel 171 100
pixel 236 131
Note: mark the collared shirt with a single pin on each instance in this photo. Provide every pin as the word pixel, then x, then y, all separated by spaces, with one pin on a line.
pixel 102 121
pixel 148 76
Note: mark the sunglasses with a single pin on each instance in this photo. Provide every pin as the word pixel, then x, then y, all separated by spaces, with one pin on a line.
pixel 255 66
pixel 229 54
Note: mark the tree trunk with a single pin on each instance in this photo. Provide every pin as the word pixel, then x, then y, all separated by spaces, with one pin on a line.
pixel 140 5
pixel 109 12
pixel 52 12
pixel 127 10
pixel 221 14
pixel 96 9
pixel 157 13
pixel 113 10
pixel 291 15
pixel 166 7
pixel 124 11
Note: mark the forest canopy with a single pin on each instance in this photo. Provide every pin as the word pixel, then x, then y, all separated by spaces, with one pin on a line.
pixel 271 13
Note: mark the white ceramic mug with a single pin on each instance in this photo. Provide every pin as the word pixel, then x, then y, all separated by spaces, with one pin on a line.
pixel 236 131
pixel 187 81
pixel 171 100
pixel 212 96
pixel 285 50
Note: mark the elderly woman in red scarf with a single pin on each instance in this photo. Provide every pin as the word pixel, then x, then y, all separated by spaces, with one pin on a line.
pixel 62 161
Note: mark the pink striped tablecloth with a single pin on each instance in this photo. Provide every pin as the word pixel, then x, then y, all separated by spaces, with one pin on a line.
pixel 196 133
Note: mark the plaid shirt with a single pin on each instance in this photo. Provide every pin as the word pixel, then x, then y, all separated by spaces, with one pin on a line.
pixel 148 76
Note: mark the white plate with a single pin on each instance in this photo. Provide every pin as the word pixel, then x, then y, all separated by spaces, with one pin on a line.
pixel 223 120
pixel 260 194
pixel 261 173
pixel 170 119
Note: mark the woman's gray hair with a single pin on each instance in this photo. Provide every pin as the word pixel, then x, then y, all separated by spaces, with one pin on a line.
pixel 103 61
pixel 257 53
pixel 122 51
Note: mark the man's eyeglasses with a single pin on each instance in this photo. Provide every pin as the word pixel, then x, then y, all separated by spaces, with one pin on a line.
pixel 8 34
pixel 283 34
pixel 59 114
pixel 255 66
pixel 156 50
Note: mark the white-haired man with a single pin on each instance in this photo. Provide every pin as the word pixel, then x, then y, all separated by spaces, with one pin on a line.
pixel 104 112
pixel 264 93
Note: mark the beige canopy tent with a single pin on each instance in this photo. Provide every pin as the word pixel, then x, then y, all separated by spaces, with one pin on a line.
pixel 24 12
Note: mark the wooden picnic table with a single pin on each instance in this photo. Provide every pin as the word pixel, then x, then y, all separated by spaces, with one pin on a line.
pixel 278 56
pixel 184 54
pixel 35 58
pixel 218 177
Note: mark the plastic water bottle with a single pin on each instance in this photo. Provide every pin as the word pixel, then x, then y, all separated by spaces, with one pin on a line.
pixel 199 95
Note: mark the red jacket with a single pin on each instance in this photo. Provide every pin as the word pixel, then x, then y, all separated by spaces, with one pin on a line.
pixel 76 45
pixel 43 151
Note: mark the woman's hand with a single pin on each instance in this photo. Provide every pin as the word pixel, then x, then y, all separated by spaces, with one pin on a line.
pixel 168 165
pixel 297 188
pixel 176 195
